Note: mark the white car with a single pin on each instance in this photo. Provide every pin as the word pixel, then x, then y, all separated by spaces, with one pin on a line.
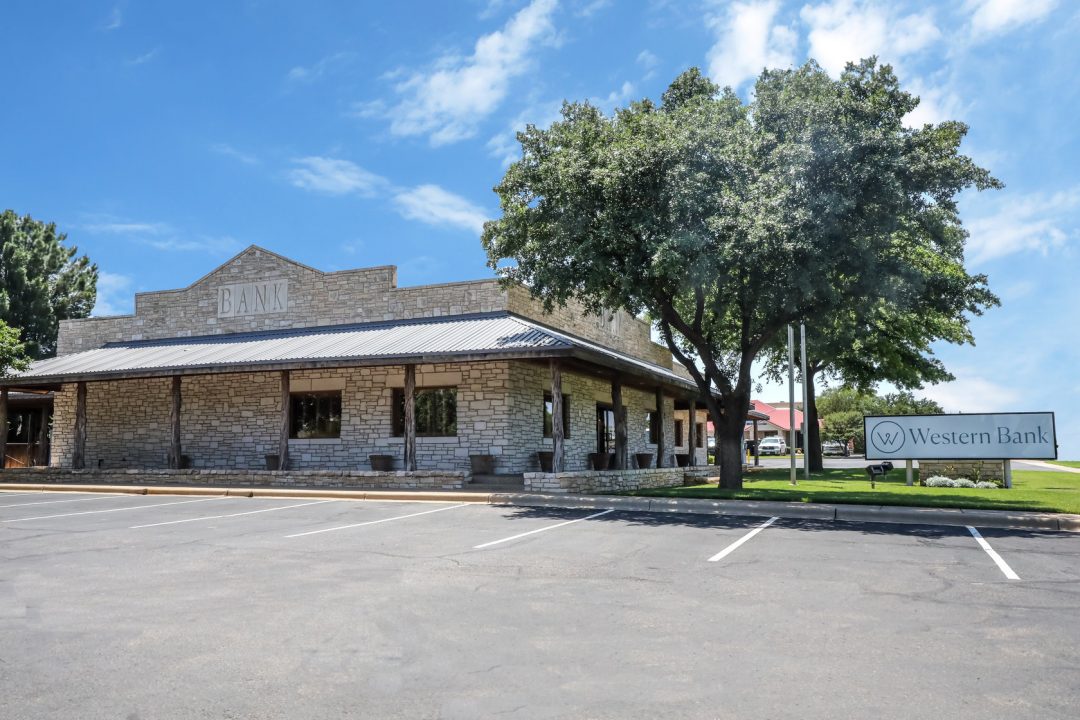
pixel 772 446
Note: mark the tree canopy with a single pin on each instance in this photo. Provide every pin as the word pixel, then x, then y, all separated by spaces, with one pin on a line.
pixel 842 411
pixel 12 352
pixel 42 281
pixel 725 220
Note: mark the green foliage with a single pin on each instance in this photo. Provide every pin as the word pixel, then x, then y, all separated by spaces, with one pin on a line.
pixel 41 281
pixel 12 352
pixel 842 410
pixel 723 221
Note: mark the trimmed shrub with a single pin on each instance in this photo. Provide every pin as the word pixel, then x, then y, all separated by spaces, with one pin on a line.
pixel 986 485
pixel 939 481
pixel 963 483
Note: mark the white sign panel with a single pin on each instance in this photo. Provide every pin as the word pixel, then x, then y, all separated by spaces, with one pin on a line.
pixel 257 298
pixel 989 436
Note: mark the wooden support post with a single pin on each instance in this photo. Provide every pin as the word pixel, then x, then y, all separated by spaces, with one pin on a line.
pixel 620 423
pixel 757 450
pixel 78 450
pixel 661 446
pixel 42 450
pixel 691 435
pixel 3 426
pixel 283 436
pixel 410 417
pixel 557 430
pixel 175 450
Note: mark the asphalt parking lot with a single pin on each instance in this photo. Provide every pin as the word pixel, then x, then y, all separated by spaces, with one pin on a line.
pixel 130 606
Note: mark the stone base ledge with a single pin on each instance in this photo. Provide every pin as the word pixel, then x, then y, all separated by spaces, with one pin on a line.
pixel 390 480
pixel 602 481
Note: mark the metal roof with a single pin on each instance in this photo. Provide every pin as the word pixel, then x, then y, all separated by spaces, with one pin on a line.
pixel 453 338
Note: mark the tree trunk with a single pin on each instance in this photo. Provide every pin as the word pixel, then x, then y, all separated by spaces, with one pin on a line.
pixel 620 424
pixel 728 426
pixel 3 426
pixel 557 429
pixel 813 442
pixel 410 417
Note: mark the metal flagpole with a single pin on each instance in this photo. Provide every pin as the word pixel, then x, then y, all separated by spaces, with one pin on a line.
pixel 805 401
pixel 791 395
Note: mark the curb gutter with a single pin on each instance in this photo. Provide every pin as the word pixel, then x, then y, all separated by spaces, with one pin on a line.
pixel 797 511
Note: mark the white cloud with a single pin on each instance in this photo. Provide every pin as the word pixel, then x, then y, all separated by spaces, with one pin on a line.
pixel 212 245
pixel 591 7
pixel 843 31
pixel 505 146
pixel 104 224
pixel 448 102
pixel 145 57
pixel 995 17
pixel 334 176
pixel 647 59
pixel 161 235
pixel 229 151
pixel 747 41
pixel 1024 224
pixel 116 19
pixel 435 206
pixel 311 73
pixel 973 393
pixel 936 104
pixel 113 295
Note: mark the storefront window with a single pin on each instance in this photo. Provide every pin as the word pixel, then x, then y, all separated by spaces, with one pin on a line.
pixel 436 412
pixel 315 415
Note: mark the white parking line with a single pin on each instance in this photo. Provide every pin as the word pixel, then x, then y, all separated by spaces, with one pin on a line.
pixel 95 512
pixel 735 545
pixel 376 522
pixel 1002 565
pixel 533 532
pixel 231 515
pixel 101 496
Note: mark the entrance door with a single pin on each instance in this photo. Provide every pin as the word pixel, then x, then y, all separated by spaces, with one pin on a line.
pixel 605 428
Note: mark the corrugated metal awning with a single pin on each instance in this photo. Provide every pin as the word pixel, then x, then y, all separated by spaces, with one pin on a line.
pixel 458 338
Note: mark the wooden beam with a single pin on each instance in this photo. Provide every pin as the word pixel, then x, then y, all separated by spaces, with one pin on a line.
pixel 410 417
pixel 661 445
pixel 557 430
pixel 3 426
pixel 283 436
pixel 43 437
pixel 78 450
pixel 692 432
pixel 620 423
pixel 175 400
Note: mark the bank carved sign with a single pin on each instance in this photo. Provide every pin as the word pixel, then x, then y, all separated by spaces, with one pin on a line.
pixel 257 298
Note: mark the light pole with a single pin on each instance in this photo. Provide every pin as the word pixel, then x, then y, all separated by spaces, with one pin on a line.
pixel 805 406
pixel 791 395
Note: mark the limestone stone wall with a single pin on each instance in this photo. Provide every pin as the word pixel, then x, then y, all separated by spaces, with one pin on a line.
pixel 529 382
pixel 418 480
pixel 592 481
pixel 971 469
pixel 316 298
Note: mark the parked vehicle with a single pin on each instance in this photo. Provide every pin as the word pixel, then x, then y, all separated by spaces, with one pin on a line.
pixel 834 448
pixel 773 446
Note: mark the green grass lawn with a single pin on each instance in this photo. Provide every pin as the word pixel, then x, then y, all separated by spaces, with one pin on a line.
pixel 1032 490
pixel 1067 463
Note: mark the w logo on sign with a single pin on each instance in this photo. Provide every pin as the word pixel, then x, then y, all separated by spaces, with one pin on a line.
pixel 887 437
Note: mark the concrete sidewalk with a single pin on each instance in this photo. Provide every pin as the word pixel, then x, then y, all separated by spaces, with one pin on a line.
pixel 800 511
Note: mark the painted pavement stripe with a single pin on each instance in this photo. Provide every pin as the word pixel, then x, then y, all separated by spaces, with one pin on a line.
pixel 102 496
pixel 735 545
pixel 998 560
pixel 376 522
pixel 231 515
pixel 96 512
pixel 539 530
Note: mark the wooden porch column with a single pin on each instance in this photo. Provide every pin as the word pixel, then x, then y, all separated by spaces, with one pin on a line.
pixel 3 427
pixel 757 450
pixel 692 433
pixel 283 436
pixel 78 449
pixel 557 430
pixel 410 417
pixel 661 446
pixel 620 424
pixel 175 451
pixel 42 454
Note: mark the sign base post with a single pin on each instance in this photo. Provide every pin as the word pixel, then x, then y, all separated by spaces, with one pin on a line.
pixel 909 470
pixel 1006 472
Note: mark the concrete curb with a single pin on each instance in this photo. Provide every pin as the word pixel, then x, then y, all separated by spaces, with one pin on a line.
pixel 628 503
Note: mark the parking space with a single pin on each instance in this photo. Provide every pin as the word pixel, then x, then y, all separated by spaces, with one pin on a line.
pixel 288 607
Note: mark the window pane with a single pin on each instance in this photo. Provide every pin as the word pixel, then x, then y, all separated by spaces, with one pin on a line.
pixel 315 415
pixel 436 412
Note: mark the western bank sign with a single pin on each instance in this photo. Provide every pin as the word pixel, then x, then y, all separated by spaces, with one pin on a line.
pixel 989 436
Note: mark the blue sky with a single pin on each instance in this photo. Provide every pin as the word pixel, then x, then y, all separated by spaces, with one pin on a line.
pixel 164 137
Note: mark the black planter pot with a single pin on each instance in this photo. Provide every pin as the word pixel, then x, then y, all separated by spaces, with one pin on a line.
pixel 643 460
pixel 546 458
pixel 482 464
pixel 381 463
pixel 599 461
pixel 682 460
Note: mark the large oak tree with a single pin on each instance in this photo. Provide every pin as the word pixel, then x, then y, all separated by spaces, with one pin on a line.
pixel 725 220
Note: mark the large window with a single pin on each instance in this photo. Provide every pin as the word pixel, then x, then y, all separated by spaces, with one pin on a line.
pixel 314 415
pixel 653 431
pixel 565 415
pixel 436 412
pixel 679 433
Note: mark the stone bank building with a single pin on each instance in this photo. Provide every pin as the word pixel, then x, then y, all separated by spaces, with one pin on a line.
pixel 266 364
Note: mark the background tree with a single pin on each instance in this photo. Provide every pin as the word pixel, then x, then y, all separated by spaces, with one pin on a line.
pixel 723 220
pixel 41 281
pixel 12 352
pixel 843 409
pixel 891 339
